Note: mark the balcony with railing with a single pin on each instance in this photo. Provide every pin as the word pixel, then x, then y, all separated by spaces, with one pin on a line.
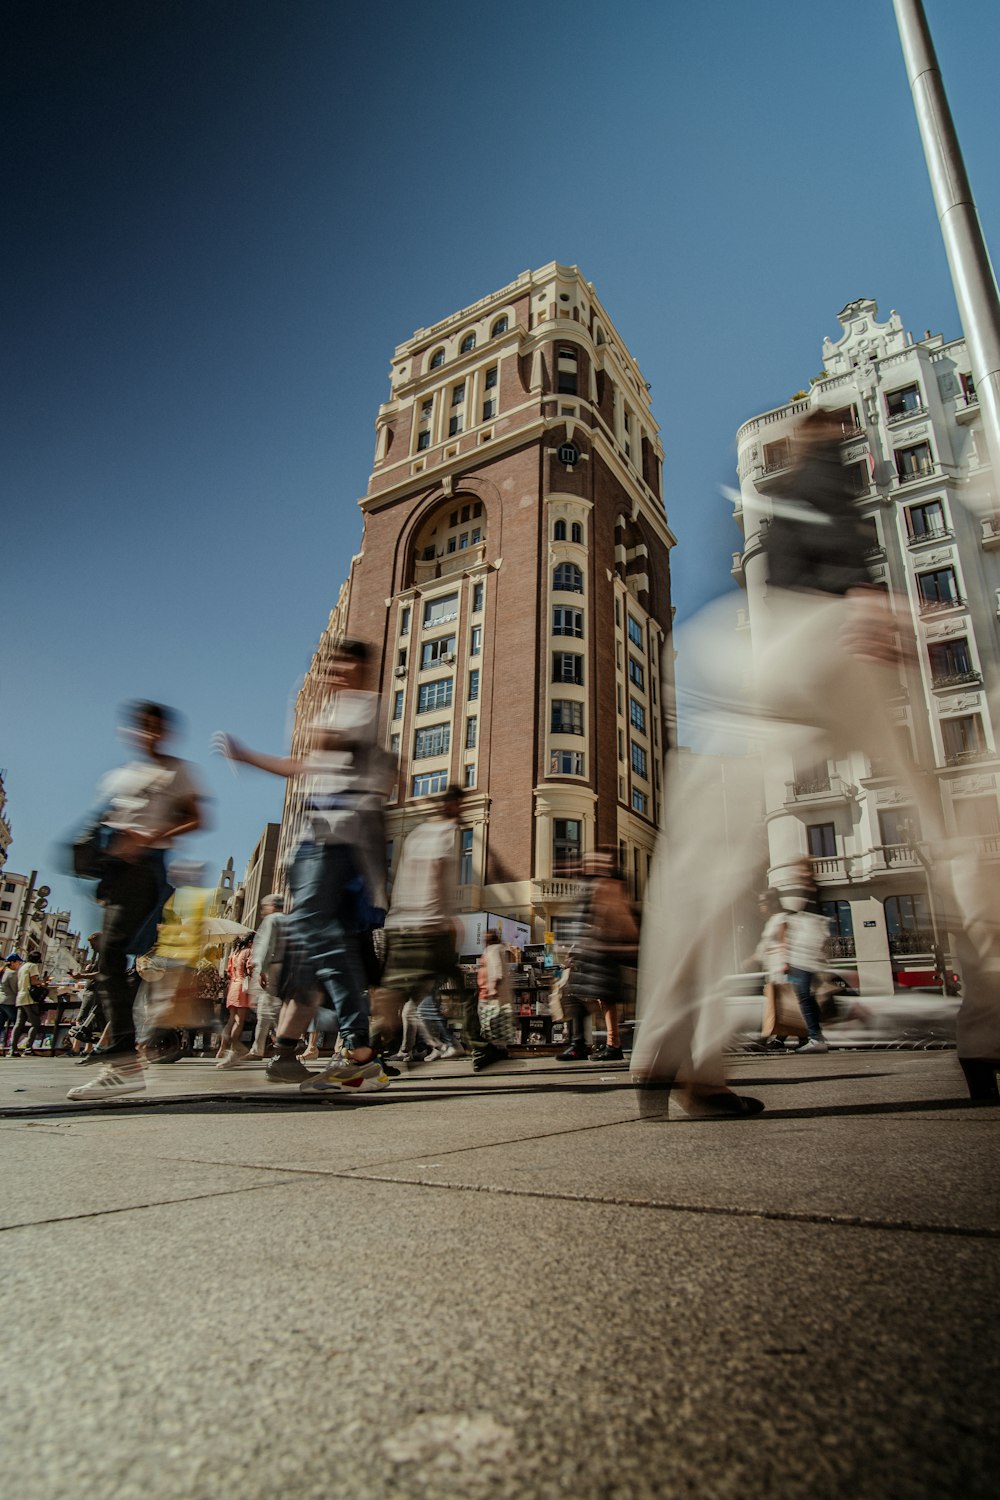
pixel 425 571
pixel 913 414
pixel 966 757
pixel 892 857
pixel 991 532
pixel 819 788
pixel 939 606
pixel 966 407
pixel 943 680
pixel 910 473
pixel 548 892
pixel 929 534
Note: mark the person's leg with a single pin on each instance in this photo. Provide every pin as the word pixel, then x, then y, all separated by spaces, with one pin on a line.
pixel 802 983
pixel 21 1021
pixel 429 1013
pixel 234 1051
pixel 132 893
pixel 613 1026
pixel 320 953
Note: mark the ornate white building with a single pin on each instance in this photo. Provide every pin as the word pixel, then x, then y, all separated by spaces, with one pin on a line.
pixel 913 443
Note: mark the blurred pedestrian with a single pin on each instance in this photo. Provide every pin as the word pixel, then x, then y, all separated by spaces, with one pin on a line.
pixel 605 943
pixel 343 851
pixel 420 927
pixel 781 1016
pixel 8 996
pixel 30 994
pixel 239 1003
pixel 265 973
pixel 825 662
pixel 495 999
pixel 147 805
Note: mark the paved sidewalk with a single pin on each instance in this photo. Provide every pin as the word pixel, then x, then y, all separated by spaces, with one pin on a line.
pixel 501 1285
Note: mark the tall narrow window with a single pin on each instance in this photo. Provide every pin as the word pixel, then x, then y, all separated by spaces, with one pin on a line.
pixel 577 533
pixel 465 857
pixel 559 531
pixel 567 716
pixel 567 666
pixel 474 685
pixel 477 599
pixel 566 372
pixel 471 731
pixel 468 344
pixel 567 841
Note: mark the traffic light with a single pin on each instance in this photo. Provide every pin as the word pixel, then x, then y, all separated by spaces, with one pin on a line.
pixel 41 900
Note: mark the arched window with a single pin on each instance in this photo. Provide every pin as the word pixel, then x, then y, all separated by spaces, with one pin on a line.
pixel 568 579
pixel 559 531
pixel 468 343
pixel 577 532
pixel 500 326
pixel 437 359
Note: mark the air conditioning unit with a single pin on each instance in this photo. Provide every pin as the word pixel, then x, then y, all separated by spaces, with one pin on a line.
pixel 450 658
pixel 400 671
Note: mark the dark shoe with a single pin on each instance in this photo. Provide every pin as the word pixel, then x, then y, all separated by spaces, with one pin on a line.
pixel 726 1106
pixel 653 1097
pixel 286 1069
pixel 86 1058
pixel 981 1078
pixel 487 1056
pixel 575 1052
pixel 607 1054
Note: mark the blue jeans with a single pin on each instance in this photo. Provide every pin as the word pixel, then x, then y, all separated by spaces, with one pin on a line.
pixel 802 983
pixel 321 952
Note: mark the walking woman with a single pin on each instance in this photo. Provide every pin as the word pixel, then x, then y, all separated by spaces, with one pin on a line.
pixel 239 1004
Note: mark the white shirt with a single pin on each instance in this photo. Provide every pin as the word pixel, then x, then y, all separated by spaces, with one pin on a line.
pixel 147 795
pixel 351 774
pixel 425 890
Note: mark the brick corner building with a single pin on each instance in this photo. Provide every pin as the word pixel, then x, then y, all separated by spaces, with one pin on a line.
pixel 514 580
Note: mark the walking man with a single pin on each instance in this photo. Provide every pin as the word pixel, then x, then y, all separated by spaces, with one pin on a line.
pixel 340 861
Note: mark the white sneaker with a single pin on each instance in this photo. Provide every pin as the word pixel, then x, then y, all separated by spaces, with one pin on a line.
pixel 814 1045
pixel 401 1057
pixel 453 1051
pixel 433 1054
pixel 109 1082
pixel 232 1060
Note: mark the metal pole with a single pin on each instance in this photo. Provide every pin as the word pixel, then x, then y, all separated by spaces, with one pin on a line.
pixel 968 258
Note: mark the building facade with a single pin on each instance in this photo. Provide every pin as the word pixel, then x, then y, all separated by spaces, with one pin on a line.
pixel 5 829
pixel 258 880
pixel 14 893
pixel 913 444
pixel 513 578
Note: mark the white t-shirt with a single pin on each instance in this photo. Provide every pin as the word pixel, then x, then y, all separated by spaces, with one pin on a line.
pixel 351 774
pixel 147 795
pixel 425 890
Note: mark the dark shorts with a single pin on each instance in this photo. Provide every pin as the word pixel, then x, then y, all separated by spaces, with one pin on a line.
pixel 418 959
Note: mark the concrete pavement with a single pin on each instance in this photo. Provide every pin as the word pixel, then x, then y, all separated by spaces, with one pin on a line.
pixel 503 1285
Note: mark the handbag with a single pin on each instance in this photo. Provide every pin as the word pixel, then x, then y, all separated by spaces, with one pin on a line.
pixel 89 850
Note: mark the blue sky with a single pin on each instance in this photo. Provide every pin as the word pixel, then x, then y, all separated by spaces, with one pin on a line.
pixel 224 215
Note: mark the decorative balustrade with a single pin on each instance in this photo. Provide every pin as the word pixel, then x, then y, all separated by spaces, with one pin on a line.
pixel 955 679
